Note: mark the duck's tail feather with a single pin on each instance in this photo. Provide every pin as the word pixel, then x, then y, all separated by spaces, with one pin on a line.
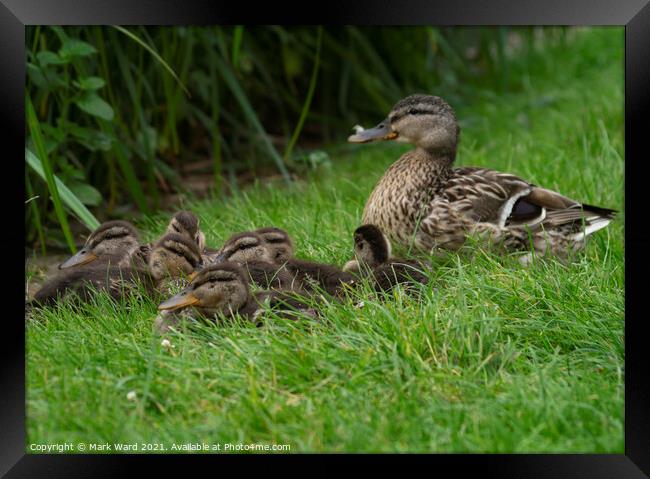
pixel 602 212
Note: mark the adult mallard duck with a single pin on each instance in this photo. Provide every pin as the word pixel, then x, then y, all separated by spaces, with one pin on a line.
pixel 422 200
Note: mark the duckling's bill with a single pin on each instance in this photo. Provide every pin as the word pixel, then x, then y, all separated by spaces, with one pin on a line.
pixel 83 256
pixel 181 300
pixel 382 131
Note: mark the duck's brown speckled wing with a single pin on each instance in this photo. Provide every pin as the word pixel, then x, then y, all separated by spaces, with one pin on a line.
pixel 481 193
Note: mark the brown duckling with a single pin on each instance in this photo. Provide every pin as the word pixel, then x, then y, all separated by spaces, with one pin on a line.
pixel 117 240
pixel 187 223
pixel 279 241
pixel 101 275
pixel 222 289
pixel 172 261
pixel 251 251
pixel 312 275
pixel 319 276
pixel 372 250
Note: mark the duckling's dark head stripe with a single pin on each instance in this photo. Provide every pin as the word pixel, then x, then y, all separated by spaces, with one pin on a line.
pixel 247 238
pixel 181 246
pixel 112 230
pixel 188 220
pixel 274 235
pixel 225 271
pixel 375 238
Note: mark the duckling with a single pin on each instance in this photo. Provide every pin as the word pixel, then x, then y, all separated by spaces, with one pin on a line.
pixel 315 276
pixel 120 239
pixel 255 255
pixel 172 259
pixel 311 274
pixel 279 241
pixel 117 240
pixel 250 249
pixel 422 198
pixel 187 223
pixel 82 282
pixel 372 250
pixel 222 289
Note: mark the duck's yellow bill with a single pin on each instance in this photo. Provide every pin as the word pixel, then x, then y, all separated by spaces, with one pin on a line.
pixel 83 256
pixel 181 300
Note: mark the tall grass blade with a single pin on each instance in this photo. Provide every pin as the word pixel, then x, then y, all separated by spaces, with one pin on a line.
pixel 155 54
pixel 310 95
pixel 67 196
pixel 242 99
pixel 237 35
pixel 139 116
pixel 127 168
pixel 36 214
pixel 48 174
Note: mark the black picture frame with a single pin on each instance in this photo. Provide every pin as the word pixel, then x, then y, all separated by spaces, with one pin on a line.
pixel 633 14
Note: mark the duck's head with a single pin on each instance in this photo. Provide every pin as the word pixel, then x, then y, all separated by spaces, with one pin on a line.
pixel 371 246
pixel 424 120
pixel 245 247
pixel 187 223
pixel 279 242
pixel 219 288
pixel 111 239
pixel 174 256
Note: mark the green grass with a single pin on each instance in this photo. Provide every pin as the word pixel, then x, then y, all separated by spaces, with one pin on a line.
pixel 493 358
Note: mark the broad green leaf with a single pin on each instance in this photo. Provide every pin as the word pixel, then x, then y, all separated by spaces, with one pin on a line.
pixel 45 78
pixel 94 140
pixel 89 83
pixel 77 207
pixel 36 75
pixel 86 193
pixel 50 58
pixel 93 104
pixel 73 47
